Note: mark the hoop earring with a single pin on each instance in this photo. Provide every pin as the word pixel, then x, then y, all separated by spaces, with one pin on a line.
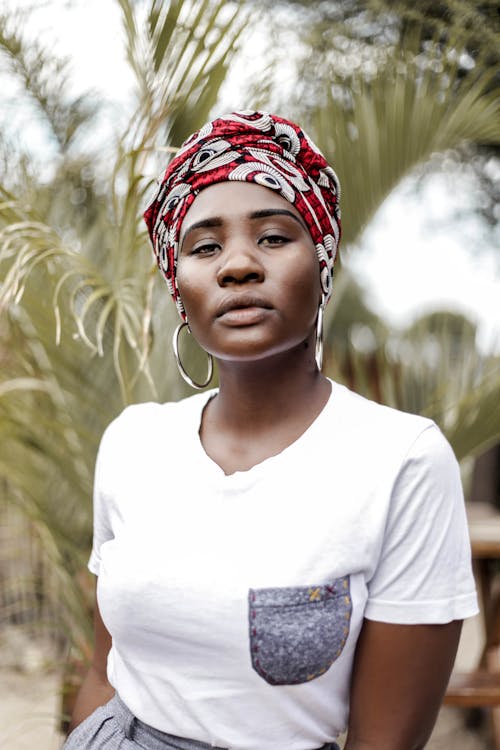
pixel 187 378
pixel 319 338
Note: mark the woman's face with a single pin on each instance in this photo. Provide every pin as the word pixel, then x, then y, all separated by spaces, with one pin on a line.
pixel 247 272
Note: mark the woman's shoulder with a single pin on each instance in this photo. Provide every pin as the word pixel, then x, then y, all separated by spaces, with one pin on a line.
pixel 145 418
pixel 376 423
pixel 354 404
pixel 388 439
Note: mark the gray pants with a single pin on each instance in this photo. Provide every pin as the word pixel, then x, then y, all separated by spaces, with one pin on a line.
pixel 114 727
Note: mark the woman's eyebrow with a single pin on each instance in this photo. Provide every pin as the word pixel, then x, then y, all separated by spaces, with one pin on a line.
pixel 265 212
pixel 213 221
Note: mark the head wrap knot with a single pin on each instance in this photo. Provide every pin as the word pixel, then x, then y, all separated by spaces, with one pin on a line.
pixel 250 147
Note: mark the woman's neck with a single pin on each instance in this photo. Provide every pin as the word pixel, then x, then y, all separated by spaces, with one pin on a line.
pixel 261 408
pixel 253 396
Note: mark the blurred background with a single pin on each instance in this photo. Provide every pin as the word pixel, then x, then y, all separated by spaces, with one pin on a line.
pixel 95 95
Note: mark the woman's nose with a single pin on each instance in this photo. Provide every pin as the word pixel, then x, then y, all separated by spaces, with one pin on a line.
pixel 240 265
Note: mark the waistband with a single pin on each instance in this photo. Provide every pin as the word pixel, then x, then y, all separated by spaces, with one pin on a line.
pixel 154 739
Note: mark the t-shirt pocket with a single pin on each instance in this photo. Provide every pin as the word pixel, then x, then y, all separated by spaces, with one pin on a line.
pixel 297 632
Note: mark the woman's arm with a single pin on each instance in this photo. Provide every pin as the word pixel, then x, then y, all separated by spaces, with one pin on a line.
pixel 399 679
pixel 95 690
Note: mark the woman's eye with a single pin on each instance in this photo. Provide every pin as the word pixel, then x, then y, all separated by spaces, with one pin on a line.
pixel 274 239
pixel 206 249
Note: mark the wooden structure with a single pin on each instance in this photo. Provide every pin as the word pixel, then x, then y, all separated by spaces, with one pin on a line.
pixel 481 687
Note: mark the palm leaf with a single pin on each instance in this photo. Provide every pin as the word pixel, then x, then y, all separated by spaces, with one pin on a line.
pixel 397 121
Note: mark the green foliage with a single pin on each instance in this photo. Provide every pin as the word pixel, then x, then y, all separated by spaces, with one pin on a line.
pixel 395 78
pixel 37 69
pixel 399 120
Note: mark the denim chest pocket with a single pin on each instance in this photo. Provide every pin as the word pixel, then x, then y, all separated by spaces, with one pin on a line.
pixel 297 633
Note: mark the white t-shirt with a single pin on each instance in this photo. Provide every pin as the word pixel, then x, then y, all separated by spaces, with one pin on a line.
pixel 235 602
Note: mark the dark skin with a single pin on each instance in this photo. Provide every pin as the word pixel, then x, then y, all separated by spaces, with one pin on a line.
pixel 399 679
pixel 245 244
pixel 95 690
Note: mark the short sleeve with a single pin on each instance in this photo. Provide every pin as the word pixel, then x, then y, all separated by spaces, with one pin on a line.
pixel 424 572
pixel 102 517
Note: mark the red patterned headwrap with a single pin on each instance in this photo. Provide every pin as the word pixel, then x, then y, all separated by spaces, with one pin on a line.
pixel 250 147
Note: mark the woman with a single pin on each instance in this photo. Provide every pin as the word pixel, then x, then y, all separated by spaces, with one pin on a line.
pixel 279 559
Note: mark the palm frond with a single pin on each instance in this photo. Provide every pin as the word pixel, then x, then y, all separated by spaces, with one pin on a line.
pixel 36 69
pixel 398 120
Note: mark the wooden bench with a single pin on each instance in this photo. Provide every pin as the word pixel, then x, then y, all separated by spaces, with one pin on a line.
pixel 481 687
pixel 473 689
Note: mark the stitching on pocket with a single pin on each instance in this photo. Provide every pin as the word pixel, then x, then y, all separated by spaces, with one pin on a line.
pixel 297 633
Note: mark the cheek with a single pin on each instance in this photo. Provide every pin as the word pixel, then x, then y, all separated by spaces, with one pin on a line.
pixel 305 283
pixel 188 285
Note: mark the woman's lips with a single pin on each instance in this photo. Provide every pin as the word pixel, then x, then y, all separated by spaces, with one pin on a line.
pixel 244 316
pixel 243 310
